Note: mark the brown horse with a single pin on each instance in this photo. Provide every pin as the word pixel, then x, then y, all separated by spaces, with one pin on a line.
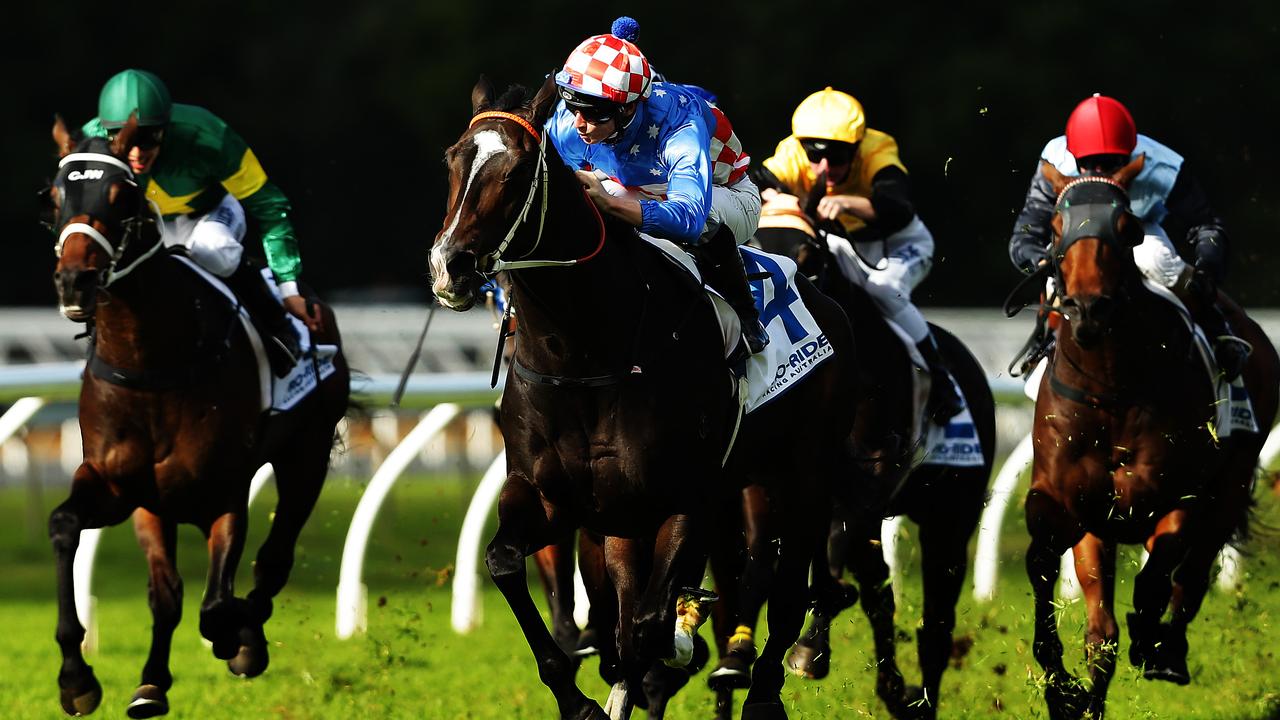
pixel 946 502
pixel 619 408
pixel 172 426
pixel 1125 449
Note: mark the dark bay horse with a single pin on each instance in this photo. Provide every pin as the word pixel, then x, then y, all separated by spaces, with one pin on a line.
pixel 1125 451
pixel 170 413
pixel 945 502
pixel 619 408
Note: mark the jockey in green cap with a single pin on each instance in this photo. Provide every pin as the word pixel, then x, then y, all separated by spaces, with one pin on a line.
pixel 203 178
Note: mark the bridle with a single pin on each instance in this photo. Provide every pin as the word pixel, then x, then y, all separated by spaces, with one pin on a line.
pixel 1097 217
pixel 132 226
pixel 493 263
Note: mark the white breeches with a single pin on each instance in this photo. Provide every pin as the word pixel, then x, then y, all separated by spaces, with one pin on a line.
pixel 215 240
pixel 736 205
pixel 890 281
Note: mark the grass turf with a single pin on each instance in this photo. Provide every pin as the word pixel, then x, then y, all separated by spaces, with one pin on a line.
pixel 410 664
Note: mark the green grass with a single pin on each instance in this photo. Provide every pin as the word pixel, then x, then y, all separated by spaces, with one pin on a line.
pixel 411 665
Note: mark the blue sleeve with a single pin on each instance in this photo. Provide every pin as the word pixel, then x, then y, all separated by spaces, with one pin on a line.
pixel 683 215
pixel 564 138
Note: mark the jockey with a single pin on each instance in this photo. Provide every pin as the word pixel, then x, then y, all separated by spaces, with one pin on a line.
pixel 661 158
pixel 202 176
pixel 869 195
pixel 1101 138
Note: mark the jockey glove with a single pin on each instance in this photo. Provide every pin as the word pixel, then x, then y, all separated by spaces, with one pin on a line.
pixel 1211 257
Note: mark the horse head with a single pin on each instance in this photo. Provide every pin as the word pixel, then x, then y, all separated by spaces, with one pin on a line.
pixel 1091 256
pixel 793 231
pixel 495 170
pixel 98 207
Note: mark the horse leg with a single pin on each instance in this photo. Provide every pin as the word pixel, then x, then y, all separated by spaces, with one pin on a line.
pixel 158 540
pixel 727 560
pixel 1062 692
pixel 90 505
pixel 788 598
pixel 944 555
pixel 811 656
pixel 1152 591
pixel 1096 571
pixel 300 477
pixel 523 527
pixel 747 581
pixel 626 562
pixel 555 567
pixel 221 615
pixel 602 615
pixel 872 574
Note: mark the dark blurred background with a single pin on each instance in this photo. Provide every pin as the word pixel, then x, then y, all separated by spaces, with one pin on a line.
pixel 350 106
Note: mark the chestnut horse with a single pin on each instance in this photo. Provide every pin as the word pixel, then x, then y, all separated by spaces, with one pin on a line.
pixel 172 425
pixel 1125 450
pixel 945 502
pixel 619 408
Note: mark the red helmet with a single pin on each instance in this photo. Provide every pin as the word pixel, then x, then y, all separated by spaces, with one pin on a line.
pixel 1100 126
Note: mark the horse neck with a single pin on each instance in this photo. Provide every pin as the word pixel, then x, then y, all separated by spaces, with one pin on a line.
pixel 144 319
pixel 1130 353
pixel 584 316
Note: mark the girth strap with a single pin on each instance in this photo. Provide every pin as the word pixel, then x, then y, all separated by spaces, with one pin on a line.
pixel 562 381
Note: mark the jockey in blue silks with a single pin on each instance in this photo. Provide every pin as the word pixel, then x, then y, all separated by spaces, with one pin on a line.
pixel 662 158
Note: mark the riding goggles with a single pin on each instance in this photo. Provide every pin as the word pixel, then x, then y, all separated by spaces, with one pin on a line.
pixel 146 137
pixel 834 151
pixel 596 111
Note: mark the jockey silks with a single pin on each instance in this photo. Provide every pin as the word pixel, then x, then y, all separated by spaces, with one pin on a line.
pixel 201 161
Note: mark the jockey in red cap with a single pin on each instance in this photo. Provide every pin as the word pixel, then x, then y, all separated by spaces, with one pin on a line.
pixel 1101 137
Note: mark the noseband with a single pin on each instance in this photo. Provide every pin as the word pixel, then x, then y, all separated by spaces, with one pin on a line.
pixel 79 168
pixel 493 261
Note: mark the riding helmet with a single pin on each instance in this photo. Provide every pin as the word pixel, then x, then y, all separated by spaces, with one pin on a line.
pixel 830 115
pixel 1101 126
pixel 605 67
pixel 132 91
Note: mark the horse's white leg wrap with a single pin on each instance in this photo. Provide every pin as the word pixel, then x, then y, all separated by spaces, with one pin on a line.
pixel 617 706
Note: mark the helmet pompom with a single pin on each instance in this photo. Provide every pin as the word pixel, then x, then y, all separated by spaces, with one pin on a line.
pixel 626 28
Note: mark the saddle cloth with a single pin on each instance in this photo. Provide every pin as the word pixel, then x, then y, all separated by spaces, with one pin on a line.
pixel 954 445
pixel 1233 410
pixel 796 343
pixel 314 364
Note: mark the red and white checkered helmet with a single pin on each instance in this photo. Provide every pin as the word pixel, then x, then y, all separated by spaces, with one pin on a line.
pixel 607 67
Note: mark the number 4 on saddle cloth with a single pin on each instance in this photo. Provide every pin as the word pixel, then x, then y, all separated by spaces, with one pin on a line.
pixel 797 345
pixel 315 362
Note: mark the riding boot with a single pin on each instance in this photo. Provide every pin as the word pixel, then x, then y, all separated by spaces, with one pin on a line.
pixel 1229 351
pixel 269 318
pixel 944 400
pixel 722 269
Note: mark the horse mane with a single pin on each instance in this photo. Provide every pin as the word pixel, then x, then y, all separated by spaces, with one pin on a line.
pixel 515 97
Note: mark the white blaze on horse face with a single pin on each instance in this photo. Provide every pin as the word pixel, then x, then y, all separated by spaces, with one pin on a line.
pixel 488 144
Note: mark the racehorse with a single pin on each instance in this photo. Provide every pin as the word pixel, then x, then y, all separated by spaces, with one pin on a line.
pixel 1126 450
pixel 172 425
pixel 946 502
pixel 618 409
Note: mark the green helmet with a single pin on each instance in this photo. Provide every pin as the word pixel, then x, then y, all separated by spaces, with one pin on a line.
pixel 130 91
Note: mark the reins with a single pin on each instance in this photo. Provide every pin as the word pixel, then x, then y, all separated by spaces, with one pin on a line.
pixel 540 178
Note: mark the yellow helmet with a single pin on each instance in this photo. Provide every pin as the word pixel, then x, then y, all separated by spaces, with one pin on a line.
pixel 830 115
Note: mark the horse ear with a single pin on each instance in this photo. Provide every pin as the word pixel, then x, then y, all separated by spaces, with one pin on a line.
pixel 545 101
pixel 1056 179
pixel 124 139
pixel 481 95
pixel 62 137
pixel 1126 174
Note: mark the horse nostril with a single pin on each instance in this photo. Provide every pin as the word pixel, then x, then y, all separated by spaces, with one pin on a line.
pixel 1101 308
pixel 461 264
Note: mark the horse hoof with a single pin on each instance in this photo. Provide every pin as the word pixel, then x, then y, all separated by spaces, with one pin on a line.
pixel 83 699
pixel 809 662
pixel 252 657
pixel 732 673
pixel 588 644
pixel 148 701
pixel 764 711
pixel 1177 676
